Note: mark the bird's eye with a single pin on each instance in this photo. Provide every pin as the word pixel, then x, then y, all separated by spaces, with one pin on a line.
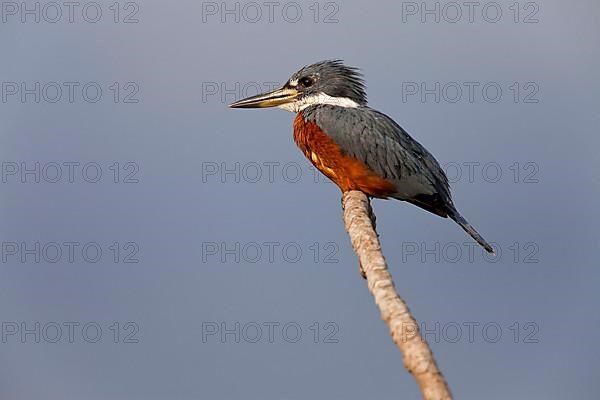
pixel 306 81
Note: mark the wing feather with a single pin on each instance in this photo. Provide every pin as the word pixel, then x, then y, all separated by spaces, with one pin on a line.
pixel 386 148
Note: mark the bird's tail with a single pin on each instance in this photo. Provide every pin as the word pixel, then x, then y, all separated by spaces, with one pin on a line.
pixel 471 231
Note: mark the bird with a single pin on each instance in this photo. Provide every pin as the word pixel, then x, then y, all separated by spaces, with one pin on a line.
pixel 356 146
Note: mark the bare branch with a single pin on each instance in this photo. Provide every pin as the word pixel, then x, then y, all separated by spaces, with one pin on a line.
pixel 417 356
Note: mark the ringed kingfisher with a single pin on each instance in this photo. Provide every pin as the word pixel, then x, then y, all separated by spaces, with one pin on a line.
pixel 357 147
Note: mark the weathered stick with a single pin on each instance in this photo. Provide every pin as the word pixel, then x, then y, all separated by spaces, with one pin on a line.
pixel 417 356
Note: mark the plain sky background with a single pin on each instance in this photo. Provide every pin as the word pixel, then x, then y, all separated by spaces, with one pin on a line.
pixel 179 212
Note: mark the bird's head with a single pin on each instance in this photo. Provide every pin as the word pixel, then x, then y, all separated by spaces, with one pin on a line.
pixel 325 82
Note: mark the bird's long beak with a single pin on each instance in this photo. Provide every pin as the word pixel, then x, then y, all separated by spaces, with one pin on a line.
pixel 270 99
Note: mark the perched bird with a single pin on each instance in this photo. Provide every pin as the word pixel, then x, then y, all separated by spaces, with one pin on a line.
pixel 357 147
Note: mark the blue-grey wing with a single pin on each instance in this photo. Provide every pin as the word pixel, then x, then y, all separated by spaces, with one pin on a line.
pixel 386 148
